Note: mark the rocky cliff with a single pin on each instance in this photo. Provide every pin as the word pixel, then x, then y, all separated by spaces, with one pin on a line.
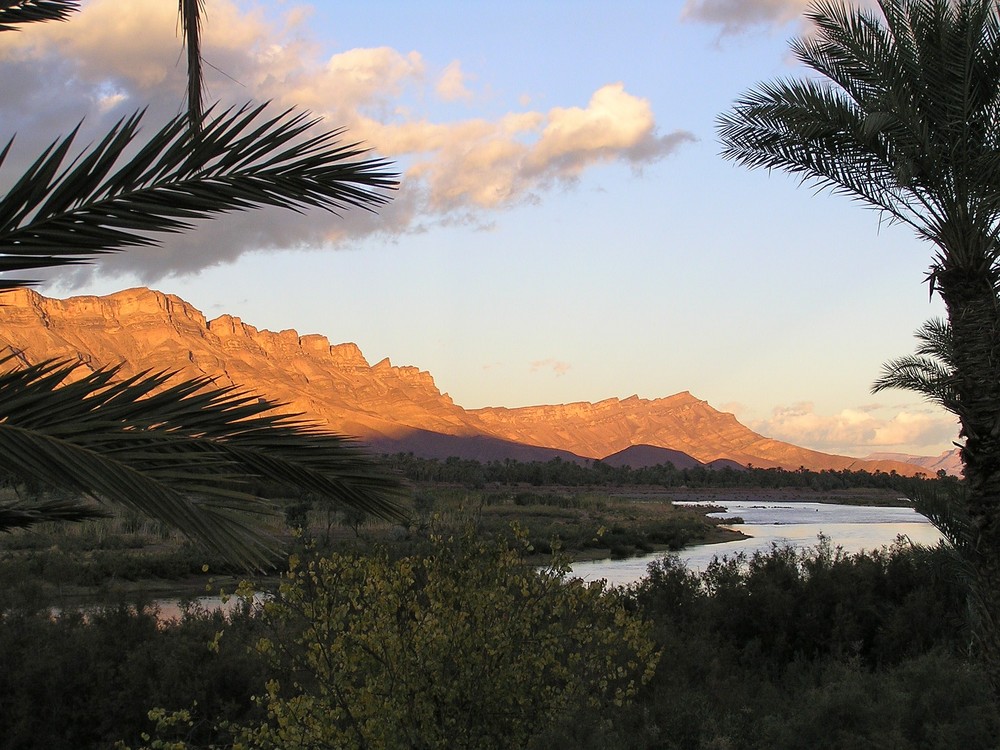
pixel 392 407
pixel 950 461
pixel 679 422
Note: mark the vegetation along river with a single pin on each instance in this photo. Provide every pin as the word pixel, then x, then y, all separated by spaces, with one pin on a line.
pixel 765 522
pixel 799 524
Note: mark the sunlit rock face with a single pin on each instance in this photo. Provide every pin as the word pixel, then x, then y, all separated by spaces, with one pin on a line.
pixel 949 462
pixel 391 407
pixel 680 422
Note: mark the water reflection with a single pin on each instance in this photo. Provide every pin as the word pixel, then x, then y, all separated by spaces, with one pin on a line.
pixel 799 524
pixel 174 609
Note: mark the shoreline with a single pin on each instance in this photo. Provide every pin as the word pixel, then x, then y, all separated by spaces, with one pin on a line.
pixel 195 586
pixel 858 496
pixel 155 591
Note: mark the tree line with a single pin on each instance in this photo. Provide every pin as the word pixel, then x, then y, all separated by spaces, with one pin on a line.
pixel 596 473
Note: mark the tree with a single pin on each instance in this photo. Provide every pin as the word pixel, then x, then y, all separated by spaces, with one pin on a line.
pixel 464 647
pixel 182 451
pixel 905 117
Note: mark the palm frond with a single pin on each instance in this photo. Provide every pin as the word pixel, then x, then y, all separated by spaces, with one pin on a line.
pixel 947 511
pixel 905 117
pixel 66 210
pixel 186 454
pixel 922 375
pixel 23 515
pixel 14 12
pixel 930 372
pixel 813 131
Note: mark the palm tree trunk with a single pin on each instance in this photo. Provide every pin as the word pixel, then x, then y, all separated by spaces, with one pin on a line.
pixel 970 295
pixel 190 11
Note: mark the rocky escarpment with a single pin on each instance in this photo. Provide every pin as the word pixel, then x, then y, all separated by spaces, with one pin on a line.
pixel 389 406
pixel 148 330
pixel 680 422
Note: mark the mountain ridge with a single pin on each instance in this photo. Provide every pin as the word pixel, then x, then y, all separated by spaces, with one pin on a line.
pixel 391 407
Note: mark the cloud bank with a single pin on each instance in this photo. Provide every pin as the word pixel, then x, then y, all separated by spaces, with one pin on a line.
pixel 114 57
pixel 737 16
pixel 860 430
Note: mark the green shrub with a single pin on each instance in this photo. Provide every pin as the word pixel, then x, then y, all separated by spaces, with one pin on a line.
pixel 464 647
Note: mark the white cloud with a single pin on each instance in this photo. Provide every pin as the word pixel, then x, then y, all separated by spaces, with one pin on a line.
pixel 490 164
pixel 860 430
pixel 451 85
pixel 114 57
pixel 613 125
pixel 347 83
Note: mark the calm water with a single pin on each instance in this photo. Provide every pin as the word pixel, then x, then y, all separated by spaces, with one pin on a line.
pixel 852 527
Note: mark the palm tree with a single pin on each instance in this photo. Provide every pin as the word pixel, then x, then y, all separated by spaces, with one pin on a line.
pixel 904 116
pixel 185 452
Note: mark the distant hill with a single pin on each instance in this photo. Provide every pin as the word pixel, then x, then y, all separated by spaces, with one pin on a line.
pixel 478 448
pixel 642 456
pixel 725 463
pixel 392 408
pixel 950 461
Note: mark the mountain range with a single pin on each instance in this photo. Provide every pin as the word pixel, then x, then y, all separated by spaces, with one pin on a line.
pixel 391 408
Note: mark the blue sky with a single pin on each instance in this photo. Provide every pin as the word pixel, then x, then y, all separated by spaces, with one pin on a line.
pixel 565 229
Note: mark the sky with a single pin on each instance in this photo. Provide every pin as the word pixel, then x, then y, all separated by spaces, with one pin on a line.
pixel 565 229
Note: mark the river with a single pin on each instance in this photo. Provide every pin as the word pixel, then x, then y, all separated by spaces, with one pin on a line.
pixel 852 527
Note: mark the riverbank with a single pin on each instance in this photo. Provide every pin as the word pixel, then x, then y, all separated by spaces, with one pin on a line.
pixel 854 496
pixel 123 560
pixel 120 559
pixel 774 523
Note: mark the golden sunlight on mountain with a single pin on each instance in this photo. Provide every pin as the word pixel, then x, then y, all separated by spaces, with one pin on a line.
pixel 391 407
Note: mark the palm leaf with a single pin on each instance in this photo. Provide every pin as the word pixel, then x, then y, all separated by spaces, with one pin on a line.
pixel 930 372
pixel 904 117
pixel 185 453
pixel 22 515
pixel 13 12
pixel 66 210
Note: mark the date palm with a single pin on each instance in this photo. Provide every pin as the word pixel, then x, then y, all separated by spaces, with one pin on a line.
pixel 904 116
pixel 185 452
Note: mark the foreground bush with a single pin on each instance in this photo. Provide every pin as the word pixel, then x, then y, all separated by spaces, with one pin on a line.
pixel 84 680
pixel 811 649
pixel 465 647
